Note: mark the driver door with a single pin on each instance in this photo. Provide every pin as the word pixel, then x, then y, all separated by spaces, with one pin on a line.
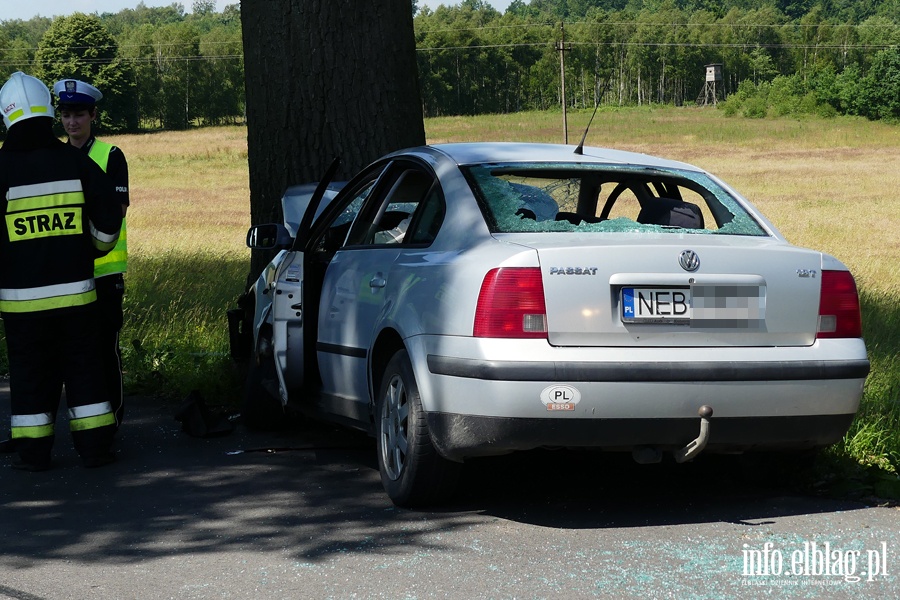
pixel 361 282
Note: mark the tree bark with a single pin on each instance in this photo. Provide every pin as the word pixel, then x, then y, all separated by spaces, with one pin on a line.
pixel 325 79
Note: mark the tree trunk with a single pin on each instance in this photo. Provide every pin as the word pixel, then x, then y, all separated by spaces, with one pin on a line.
pixel 324 79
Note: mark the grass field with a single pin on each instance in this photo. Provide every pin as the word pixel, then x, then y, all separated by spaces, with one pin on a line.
pixel 827 184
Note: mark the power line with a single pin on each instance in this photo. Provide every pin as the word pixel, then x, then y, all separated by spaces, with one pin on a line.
pixel 548 28
pixel 741 45
pixel 644 24
pixel 171 58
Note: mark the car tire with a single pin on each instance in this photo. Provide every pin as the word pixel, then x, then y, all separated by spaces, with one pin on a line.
pixel 412 471
pixel 261 409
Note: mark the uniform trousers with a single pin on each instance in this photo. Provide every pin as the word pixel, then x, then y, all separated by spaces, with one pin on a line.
pixel 110 292
pixel 50 350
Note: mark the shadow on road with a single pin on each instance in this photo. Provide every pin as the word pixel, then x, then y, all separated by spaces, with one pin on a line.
pixel 585 489
pixel 314 491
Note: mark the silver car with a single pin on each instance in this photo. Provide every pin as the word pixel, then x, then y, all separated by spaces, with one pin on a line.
pixel 467 300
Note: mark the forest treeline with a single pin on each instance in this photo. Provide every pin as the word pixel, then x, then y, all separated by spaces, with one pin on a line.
pixel 162 67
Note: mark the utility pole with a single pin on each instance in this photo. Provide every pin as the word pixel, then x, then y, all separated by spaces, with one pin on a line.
pixel 561 47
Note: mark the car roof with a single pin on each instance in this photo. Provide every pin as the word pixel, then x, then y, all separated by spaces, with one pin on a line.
pixel 506 152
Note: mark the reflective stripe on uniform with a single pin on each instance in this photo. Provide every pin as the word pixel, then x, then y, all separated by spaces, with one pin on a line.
pixel 103 241
pixel 77 293
pixel 46 201
pixel 50 188
pixel 91 416
pixel 32 426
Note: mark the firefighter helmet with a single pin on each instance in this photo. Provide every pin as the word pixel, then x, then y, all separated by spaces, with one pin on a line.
pixel 23 97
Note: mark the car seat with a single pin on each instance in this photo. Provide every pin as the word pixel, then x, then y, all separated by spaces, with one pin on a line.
pixel 673 213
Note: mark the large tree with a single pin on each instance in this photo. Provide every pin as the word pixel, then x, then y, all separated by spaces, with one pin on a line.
pixel 325 79
pixel 80 47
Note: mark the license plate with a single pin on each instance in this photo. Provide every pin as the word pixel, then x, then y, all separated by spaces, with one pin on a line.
pixel 656 305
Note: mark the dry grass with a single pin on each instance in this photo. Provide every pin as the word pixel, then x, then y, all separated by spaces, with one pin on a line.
pixel 189 191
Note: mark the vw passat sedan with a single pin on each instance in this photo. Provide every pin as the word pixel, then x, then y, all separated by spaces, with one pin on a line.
pixel 468 300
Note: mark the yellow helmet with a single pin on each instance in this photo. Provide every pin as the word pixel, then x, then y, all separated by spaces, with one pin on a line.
pixel 23 97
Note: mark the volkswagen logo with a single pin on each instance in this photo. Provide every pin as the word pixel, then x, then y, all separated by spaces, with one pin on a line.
pixel 689 260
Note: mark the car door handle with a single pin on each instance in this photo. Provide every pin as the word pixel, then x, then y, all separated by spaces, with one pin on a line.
pixel 377 282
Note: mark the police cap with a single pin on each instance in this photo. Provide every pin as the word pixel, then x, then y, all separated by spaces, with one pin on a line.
pixel 74 92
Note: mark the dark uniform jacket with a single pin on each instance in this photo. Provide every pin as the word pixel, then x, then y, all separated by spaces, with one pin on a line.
pixel 60 213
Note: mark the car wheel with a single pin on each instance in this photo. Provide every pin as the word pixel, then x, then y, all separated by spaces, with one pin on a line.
pixel 262 408
pixel 412 472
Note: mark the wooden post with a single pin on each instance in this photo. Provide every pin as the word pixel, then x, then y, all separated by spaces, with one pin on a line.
pixel 561 46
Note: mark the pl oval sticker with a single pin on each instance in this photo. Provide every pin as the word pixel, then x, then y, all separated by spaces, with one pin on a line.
pixel 560 397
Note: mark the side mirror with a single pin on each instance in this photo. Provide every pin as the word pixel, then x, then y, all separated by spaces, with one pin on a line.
pixel 271 236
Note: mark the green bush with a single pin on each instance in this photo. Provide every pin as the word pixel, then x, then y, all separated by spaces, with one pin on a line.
pixel 881 86
pixel 734 103
pixel 786 96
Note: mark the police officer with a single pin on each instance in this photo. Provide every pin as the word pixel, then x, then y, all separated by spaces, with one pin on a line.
pixel 77 110
pixel 59 214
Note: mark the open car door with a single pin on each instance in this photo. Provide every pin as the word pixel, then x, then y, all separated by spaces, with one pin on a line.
pixel 287 300
pixel 280 345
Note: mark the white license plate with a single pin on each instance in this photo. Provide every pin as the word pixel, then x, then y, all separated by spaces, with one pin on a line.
pixel 656 305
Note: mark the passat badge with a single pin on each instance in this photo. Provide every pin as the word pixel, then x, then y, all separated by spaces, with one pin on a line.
pixel 560 397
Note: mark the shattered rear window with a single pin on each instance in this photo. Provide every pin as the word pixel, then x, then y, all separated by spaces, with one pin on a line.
pixel 608 198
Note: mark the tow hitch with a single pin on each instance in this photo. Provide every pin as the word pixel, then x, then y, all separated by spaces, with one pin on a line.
pixel 697 445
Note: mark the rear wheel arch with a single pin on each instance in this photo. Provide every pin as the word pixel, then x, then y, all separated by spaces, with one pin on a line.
pixel 413 473
pixel 386 345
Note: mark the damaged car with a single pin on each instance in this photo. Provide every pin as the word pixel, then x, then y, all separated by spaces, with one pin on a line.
pixel 476 299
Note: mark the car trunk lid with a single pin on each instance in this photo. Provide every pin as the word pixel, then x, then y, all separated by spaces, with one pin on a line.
pixel 635 291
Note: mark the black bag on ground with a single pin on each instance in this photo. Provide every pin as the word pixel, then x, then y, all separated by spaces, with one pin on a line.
pixel 198 420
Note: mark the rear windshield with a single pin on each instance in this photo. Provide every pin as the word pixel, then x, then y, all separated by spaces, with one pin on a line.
pixel 578 198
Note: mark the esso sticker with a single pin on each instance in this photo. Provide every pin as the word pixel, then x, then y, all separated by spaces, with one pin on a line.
pixel 560 397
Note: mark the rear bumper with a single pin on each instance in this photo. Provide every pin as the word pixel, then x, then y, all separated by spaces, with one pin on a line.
pixel 626 372
pixel 486 397
pixel 464 436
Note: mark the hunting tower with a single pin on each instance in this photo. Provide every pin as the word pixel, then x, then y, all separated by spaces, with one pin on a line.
pixel 712 88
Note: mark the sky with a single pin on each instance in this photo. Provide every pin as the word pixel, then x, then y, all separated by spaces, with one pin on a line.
pixel 24 9
pixel 432 4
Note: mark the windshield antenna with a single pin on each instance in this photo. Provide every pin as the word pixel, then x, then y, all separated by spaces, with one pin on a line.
pixel 580 148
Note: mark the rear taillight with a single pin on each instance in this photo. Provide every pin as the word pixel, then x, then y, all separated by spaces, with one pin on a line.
pixel 839 315
pixel 511 304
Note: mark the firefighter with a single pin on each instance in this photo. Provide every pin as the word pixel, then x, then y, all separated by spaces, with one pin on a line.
pixel 60 213
pixel 77 108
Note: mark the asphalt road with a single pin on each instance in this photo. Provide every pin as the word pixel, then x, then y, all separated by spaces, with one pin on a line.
pixel 301 514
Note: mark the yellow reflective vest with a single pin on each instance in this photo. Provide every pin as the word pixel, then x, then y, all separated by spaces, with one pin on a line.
pixel 117 260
